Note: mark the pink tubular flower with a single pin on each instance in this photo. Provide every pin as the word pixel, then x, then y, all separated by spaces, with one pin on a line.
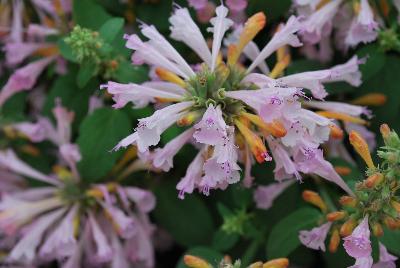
pixel 193 176
pixel 23 78
pixel 315 238
pixel 163 158
pixel 264 196
pixel 386 260
pixel 363 29
pixel 18 52
pixel 211 129
pixel 205 14
pixel 358 244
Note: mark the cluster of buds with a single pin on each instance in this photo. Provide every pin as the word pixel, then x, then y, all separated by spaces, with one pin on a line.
pixel 90 49
pixel 374 204
pixel 197 262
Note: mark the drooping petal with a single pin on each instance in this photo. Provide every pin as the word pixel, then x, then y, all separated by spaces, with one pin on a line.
pixel 264 196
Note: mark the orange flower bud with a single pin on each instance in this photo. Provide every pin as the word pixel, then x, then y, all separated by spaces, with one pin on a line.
pixel 227 259
pixel 336 132
pixel 195 262
pixel 277 263
pixel 342 170
pixel 377 229
pixel 255 143
pixel 315 199
pixel 334 241
pixel 166 75
pixel 347 227
pixel 392 223
pixel 187 119
pixel 385 131
pixel 373 180
pixel 30 149
pixel 396 206
pixel 251 28
pixel 280 66
pixel 335 216
pixel 361 147
pixel 371 99
pixel 256 265
pixel 348 201
pixel 275 128
pixel 343 117
pixel 385 7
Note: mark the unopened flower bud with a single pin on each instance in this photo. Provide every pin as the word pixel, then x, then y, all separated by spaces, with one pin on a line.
pixel 347 227
pixel 256 265
pixel 348 201
pixel 342 170
pixel 392 223
pixel 335 216
pixel 373 180
pixel 377 229
pixel 334 241
pixel 396 206
pixel 169 76
pixel 371 99
pixel 336 132
pixel 361 147
pixel 277 263
pixel 385 131
pixel 315 199
pixel 195 262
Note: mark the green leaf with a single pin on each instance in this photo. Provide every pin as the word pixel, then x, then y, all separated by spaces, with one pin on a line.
pixel 375 60
pixel 188 221
pixel 272 8
pixel 127 73
pixel 110 29
pixel 71 96
pixel 284 236
pixel 66 50
pixel 86 71
pixel 89 14
pixel 391 240
pixel 223 241
pixel 99 133
pixel 211 256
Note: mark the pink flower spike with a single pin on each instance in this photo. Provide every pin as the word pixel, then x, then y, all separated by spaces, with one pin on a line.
pixel 358 244
pixel 348 72
pixel 315 238
pixel 163 158
pixel 264 196
pixel 211 129
pixel 236 5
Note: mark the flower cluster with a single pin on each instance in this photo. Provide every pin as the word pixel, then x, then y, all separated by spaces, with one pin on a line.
pixel 375 204
pixel 68 219
pixel 351 23
pixel 31 41
pixel 232 112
